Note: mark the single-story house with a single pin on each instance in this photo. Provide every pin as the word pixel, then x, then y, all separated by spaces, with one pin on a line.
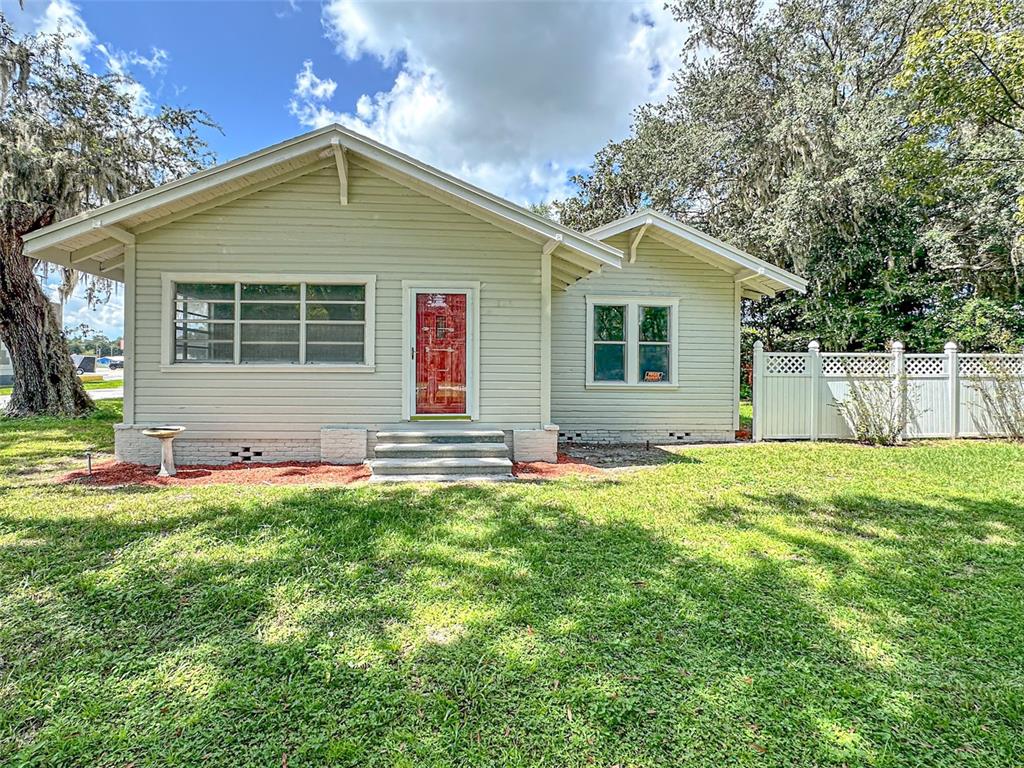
pixel 329 298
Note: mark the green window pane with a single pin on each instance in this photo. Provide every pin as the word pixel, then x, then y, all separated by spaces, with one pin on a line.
pixel 204 310
pixel 270 292
pixel 335 293
pixel 205 331
pixel 334 353
pixel 270 353
pixel 654 323
pixel 317 332
pixel 335 311
pixel 205 291
pixel 654 362
pixel 270 311
pixel 270 332
pixel 609 362
pixel 609 323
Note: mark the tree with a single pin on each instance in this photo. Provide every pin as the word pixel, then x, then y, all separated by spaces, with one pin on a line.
pixel 966 63
pixel 69 140
pixel 791 133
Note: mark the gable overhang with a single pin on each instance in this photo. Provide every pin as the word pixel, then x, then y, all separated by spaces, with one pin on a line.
pixel 757 278
pixel 87 242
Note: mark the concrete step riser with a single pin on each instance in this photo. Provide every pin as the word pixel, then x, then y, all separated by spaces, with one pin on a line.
pixel 435 438
pixel 435 451
pixel 446 479
pixel 433 470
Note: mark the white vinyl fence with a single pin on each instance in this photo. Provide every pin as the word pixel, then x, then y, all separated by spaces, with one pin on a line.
pixel 795 393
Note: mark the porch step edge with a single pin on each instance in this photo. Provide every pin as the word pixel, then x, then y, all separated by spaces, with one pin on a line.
pixel 448 479
pixel 399 450
pixel 426 436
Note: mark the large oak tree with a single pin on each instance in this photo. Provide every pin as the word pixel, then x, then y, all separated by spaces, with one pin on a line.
pixel 70 140
pixel 872 146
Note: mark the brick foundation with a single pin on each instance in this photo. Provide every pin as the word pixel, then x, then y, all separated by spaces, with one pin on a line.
pixel 132 446
pixel 535 444
pixel 637 436
pixel 343 445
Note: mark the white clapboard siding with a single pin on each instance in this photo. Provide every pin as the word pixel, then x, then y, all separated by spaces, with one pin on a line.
pixel 705 400
pixel 794 392
pixel 299 227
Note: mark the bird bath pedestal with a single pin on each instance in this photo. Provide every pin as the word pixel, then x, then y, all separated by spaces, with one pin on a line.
pixel 166 437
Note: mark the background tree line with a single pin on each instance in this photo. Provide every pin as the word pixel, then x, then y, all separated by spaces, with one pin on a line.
pixel 872 146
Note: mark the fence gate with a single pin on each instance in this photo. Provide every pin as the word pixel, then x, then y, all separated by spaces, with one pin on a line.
pixel 795 393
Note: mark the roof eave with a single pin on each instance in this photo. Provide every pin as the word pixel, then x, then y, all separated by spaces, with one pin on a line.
pixel 783 278
pixel 40 241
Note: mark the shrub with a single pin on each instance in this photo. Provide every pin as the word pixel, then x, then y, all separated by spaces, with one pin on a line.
pixel 876 410
pixel 1002 395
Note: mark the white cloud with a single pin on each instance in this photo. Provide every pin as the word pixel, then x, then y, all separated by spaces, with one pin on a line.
pixel 510 96
pixel 64 17
pixel 309 86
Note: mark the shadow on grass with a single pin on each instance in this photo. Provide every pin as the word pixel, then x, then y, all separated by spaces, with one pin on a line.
pixel 478 625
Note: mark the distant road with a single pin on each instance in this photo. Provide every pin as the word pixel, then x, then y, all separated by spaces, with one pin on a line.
pixel 96 394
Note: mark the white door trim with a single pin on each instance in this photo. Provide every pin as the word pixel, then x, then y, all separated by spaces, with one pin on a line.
pixel 471 288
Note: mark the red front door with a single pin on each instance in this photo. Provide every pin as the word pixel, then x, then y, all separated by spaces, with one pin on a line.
pixel 441 353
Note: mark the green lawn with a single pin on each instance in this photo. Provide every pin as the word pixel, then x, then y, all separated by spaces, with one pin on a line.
pixel 110 384
pixel 761 605
pixel 746 415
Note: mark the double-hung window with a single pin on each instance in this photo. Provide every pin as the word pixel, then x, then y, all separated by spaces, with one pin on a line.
pixel 277 322
pixel 631 341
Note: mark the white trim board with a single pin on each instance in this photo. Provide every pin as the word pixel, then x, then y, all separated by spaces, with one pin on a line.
pixel 749 267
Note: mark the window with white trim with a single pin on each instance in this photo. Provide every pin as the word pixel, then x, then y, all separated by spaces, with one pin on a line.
pixel 631 341
pixel 272 323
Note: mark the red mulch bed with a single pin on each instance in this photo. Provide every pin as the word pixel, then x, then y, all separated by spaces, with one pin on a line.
pixel 114 473
pixel 288 473
pixel 543 470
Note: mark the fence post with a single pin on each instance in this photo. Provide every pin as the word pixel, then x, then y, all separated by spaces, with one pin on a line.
pixel 899 383
pixel 953 371
pixel 757 396
pixel 814 369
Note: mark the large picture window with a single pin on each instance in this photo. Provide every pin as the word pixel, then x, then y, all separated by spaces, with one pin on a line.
pixel 285 322
pixel 631 341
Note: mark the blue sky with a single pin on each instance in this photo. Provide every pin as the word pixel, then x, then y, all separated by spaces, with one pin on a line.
pixel 512 96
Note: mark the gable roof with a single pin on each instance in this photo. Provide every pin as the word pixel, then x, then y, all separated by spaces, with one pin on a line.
pixel 94 241
pixel 758 277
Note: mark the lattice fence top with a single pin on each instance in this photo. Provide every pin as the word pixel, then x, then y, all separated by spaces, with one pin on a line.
pixel 991 365
pixel 925 365
pixel 785 364
pixel 856 365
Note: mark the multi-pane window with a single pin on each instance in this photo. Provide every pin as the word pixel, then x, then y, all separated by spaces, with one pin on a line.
pixel 655 353
pixel 295 323
pixel 631 341
pixel 204 323
pixel 609 343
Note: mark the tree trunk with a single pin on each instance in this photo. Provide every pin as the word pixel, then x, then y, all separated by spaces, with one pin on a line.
pixel 45 381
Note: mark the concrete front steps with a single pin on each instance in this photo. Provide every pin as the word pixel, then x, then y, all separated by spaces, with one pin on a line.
pixel 454 455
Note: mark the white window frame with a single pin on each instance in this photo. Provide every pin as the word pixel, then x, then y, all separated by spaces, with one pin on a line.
pixel 632 303
pixel 471 288
pixel 171 279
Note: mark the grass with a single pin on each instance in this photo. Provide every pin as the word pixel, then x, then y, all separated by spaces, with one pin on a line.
pixel 109 384
pixel 746 415
pixel 763 605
